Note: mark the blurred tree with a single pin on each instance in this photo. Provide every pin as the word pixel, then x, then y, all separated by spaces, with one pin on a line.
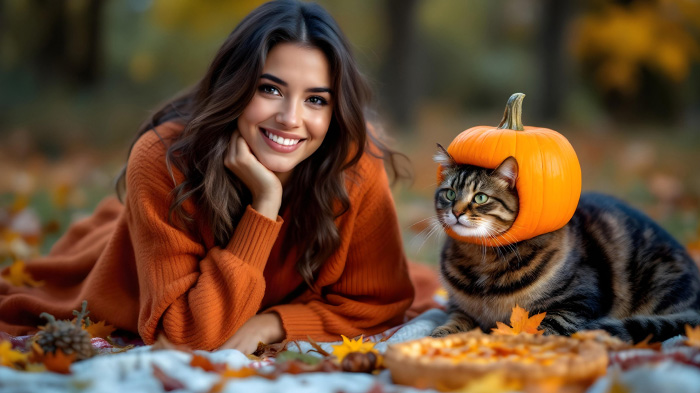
pixel 58 39
pixel 638 54
pixel 399 69
pixel 555 17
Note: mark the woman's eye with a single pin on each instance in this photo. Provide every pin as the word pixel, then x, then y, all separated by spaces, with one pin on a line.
pixel 269 89
pixel 481 198
pixel 316 100
pixel 451 194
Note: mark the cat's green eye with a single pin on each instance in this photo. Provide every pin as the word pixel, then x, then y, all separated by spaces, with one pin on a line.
pixel 451 195
pixel 481 198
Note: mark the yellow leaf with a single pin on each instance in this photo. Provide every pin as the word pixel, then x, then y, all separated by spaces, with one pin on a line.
pixel 16 276
pixel 99 329
pixel 494 382
pixel 693 334
pixel 348 346
pixel 9 357
pixel 520 322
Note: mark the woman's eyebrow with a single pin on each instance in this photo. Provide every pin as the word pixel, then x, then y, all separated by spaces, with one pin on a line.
pixel 283 83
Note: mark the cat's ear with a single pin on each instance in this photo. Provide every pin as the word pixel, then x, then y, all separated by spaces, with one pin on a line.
pixel 442 157
pixel 508 171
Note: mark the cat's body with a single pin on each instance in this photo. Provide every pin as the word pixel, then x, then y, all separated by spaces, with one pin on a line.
pixel 609 268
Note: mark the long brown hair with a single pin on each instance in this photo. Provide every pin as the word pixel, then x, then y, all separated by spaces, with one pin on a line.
pixel 316 190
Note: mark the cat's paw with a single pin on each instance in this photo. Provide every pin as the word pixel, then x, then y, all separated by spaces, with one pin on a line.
pixel 442 331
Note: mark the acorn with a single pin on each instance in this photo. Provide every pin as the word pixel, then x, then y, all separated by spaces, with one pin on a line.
pixel 67 336
pixel 358 362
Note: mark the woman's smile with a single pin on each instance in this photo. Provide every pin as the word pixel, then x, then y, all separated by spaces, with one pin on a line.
pixel 279 142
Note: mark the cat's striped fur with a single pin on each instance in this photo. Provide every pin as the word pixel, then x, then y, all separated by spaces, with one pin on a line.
pixel 609 268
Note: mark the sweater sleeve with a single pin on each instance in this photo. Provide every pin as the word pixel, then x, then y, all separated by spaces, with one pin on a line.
pixel 364 287
pixel 192 295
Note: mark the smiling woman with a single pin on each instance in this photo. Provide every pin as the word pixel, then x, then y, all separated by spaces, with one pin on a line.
pixel 289 115
pixel 255 206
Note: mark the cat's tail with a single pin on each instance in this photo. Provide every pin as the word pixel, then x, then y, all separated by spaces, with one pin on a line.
pixel 639 327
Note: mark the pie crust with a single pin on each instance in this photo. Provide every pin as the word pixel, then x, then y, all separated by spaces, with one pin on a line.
pixel 451 362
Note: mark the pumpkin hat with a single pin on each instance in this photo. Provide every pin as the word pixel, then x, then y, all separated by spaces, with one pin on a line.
pixel 549 176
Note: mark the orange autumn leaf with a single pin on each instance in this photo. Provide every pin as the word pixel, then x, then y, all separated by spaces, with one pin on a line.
pixel 100 329
pixel 243 372
pixel 693 334
pixel 520 322
pixel 647 344
pixel 57 362
pixel 206 364
pixel 16 276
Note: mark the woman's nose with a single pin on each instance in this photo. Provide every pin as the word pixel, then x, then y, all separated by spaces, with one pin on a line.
pixel 289 115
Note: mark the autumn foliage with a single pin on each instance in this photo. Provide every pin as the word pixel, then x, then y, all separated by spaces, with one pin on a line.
pixel 520 322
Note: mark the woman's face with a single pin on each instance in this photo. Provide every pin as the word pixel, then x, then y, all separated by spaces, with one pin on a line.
pixel 289 115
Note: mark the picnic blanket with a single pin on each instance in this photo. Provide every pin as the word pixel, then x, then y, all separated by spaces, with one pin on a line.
pixel 675 368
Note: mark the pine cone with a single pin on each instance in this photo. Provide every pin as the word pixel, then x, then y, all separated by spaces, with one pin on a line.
pixel 67 336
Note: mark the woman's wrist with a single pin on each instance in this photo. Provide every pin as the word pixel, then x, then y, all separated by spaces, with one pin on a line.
pixel 268 207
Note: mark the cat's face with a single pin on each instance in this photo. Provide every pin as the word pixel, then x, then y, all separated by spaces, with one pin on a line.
pixel 475 201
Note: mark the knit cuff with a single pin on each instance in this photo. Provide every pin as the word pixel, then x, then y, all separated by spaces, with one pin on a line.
pixel 254 238
pixel 300 321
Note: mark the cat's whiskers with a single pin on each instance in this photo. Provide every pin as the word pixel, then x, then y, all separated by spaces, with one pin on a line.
pixel 435 226
pixel 493 234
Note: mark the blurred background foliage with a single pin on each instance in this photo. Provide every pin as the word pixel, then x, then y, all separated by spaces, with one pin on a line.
pixel 620 79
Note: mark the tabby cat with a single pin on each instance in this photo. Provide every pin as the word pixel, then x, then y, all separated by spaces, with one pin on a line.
pixel 609 268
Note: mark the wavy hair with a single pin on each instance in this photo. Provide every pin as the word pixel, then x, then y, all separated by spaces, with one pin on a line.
pixel 209 111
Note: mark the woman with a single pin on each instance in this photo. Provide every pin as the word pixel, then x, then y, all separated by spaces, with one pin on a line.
pixel 255 206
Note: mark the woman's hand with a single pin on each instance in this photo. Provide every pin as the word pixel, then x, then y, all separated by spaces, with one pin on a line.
pixel 262 182
pixel 265 328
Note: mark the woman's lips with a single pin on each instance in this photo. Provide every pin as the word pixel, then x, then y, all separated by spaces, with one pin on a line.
pixel 279 144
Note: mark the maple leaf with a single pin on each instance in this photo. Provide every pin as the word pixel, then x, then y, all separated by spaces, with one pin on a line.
pixel 57 362
pixel 520 322
pixel 99 329
pixel 693 334
pixel 9 357
pixel 16 276
pixel 348 346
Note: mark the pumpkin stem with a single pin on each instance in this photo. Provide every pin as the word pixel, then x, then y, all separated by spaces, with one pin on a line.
pixel 512 117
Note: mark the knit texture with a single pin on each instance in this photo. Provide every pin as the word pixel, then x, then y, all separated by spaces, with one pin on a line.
pixel 143 274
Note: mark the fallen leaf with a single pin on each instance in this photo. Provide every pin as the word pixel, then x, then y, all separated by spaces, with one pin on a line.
pixel 693 334
pixel 99 329
pixel 205 364
pixel 59 362
pixel 302 357
pixel 317 348
pixel 11 358
pixel 243 372
pixel 16 276
pixel 644 344
pixel 520 322
pixel 348 346
pixel 270 350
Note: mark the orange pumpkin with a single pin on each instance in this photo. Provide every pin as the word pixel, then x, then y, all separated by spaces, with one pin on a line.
pixel 549 176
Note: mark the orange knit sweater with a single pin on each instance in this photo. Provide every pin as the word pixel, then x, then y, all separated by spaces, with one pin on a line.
pixel 142 274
